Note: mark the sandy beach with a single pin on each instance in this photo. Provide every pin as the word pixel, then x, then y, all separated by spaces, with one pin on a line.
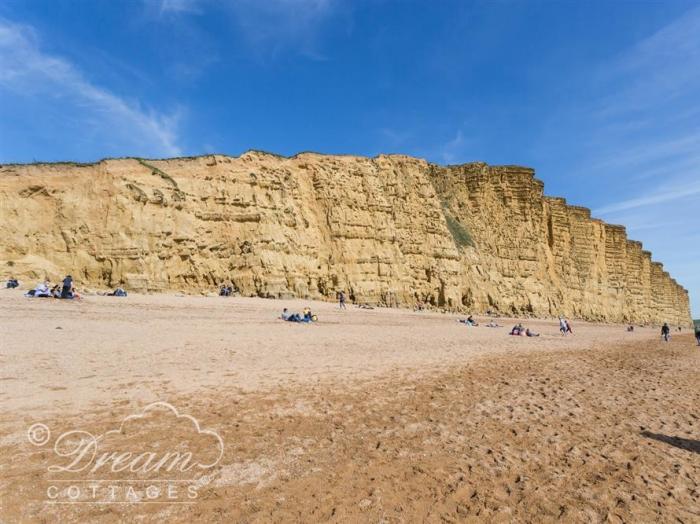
pixel 381 415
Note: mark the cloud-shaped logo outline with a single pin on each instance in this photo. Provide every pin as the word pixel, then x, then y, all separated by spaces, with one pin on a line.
pixel 177 414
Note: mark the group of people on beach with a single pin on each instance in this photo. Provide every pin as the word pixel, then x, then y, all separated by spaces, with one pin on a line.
pixel 305 316
pixel 64 290
pixel 518 329
pixel 565 326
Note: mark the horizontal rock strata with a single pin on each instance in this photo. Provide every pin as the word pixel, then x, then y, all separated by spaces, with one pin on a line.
pixel 393 230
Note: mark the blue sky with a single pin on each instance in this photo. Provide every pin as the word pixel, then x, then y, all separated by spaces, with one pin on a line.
pixel 601 98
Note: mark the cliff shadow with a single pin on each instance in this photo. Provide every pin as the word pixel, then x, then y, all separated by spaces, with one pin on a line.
pixel 679 442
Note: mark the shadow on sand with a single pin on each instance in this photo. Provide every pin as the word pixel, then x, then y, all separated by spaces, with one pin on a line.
pixel 679 442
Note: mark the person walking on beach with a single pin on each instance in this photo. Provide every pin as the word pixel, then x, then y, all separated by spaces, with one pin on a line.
pixel 562 326
pixel 568 327
pixel 665 332
pixel 697 333
pixel 341 300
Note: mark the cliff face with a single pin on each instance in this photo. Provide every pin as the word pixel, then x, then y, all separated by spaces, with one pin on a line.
pixel 391 229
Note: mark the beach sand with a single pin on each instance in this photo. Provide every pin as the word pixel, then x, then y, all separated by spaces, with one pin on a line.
pixel 366 416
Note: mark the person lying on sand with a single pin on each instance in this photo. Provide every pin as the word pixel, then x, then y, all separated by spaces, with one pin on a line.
pixel 296 317
pixel 12 283
pixel 531 333
pixel 119 292
pixel 493 324
pixel 40 291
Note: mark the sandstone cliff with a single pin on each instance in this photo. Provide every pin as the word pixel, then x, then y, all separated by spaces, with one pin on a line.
pixel 391 229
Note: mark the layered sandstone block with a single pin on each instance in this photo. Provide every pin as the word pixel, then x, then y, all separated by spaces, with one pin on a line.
pixel 392 229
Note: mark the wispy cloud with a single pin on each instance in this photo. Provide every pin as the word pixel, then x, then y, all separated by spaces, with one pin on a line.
pixel 32 75
pixel 658 196
pixel 654 85
pixel 647 144
pixel 270 28
pixel 659 65
pixel 274 26
pixel 175 7
pixel 454 148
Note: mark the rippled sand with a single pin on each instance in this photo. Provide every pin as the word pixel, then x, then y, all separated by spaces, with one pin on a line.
pixel 367 415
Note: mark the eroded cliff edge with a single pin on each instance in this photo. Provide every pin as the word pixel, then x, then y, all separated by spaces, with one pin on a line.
pixel 391 229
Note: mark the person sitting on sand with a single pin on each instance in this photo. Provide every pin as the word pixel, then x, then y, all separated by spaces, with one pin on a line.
pixel 119 292
pixel 309 316
pixel 531 333
pixel 517 330
pixel 12 283
pixel 56 291
pixel 67 289
pixel 630 328
pixel 225 291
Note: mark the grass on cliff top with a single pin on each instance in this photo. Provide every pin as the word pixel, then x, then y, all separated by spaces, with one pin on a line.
pixel 460 234
pixel 159 172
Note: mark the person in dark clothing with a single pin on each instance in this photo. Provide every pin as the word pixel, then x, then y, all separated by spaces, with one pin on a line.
pixel 665 332
pixel 697 333
pixel 12 283
pixel 67 290
pixel 341 300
